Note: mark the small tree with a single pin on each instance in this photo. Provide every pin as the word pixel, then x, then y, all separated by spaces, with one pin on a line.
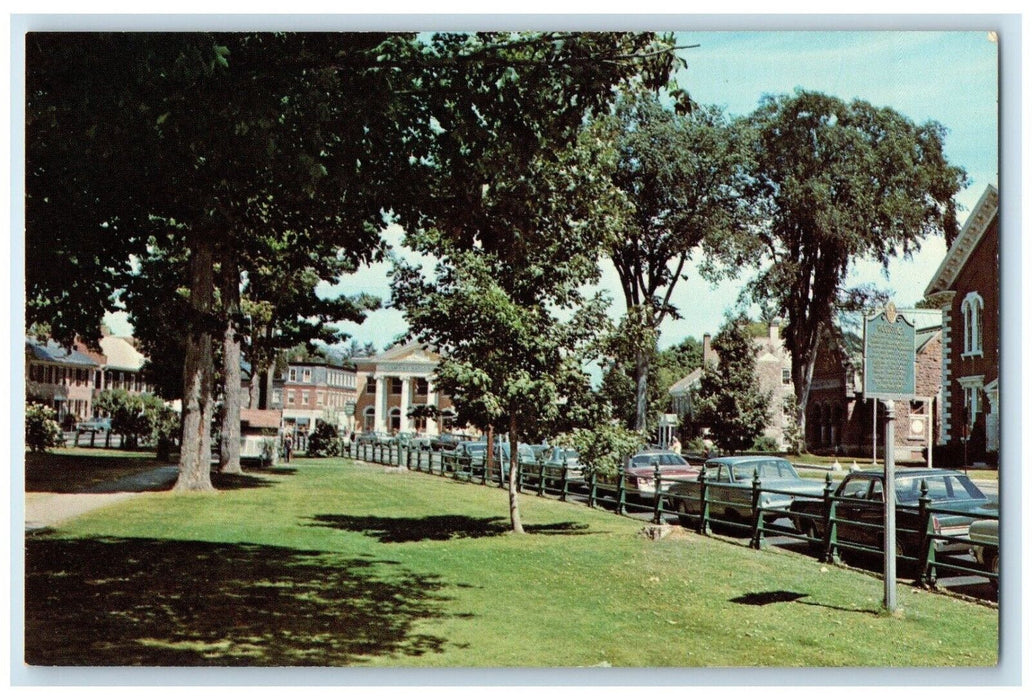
pixel 603 447
pixel 42 431
pixel 730 400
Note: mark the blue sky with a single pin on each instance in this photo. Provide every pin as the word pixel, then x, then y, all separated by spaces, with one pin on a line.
pixel 949 77
pixel 946 76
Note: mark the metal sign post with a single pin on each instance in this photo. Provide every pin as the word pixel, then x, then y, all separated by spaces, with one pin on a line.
pixel 890 375
pixel 889 542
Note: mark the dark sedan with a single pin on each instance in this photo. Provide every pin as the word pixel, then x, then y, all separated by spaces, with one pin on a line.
pixel 860 509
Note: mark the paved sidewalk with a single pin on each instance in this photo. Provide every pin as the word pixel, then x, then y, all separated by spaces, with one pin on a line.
pixel 44 510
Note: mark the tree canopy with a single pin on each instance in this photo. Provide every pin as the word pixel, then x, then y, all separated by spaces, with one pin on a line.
pixel 837 182
pixel 678 177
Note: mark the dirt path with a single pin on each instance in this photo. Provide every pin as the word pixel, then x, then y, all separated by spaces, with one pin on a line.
pixel 44 510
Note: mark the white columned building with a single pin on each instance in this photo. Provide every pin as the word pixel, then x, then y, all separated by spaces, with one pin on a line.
pixel 395 383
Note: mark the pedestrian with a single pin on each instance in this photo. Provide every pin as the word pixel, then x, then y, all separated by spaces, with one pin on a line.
pixel 675 445
pixel 288 448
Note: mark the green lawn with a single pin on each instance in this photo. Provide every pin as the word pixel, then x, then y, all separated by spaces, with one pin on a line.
pixel 331 563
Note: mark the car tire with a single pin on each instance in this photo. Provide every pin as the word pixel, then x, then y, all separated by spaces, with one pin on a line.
pixel 992 565
pixel 682 512
pixel 809 529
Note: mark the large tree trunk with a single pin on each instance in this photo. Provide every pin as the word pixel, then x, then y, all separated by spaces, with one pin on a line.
pixel 229 452
pixel 514 494
pixel 198 375
pixel 641 389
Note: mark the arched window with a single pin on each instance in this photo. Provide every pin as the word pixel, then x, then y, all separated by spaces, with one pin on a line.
pixel 369 418
pixel 971 310
pixel 395 419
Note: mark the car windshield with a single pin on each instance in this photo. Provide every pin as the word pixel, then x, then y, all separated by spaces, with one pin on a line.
pixel 941 487
pixel 769 469
pixel 665 459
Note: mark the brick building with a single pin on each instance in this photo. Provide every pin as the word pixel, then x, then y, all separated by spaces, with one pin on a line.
pixel 310 391
pixel 60 378
pixel 967 284
pixel 70 380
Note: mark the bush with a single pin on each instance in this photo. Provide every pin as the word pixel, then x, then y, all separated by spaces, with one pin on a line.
pixel 42 431
pixel 765 443
pixel 325 442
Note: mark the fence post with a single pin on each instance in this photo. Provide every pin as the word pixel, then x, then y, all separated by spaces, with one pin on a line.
pixel 592 482
pixel 757 512
pixel 829 548
pixel 927 573
pixel 541 476
pixel 564 485
pixel 657 508
pixel 621 492
pixel 703 527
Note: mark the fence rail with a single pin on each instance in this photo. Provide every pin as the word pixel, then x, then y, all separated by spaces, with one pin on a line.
pixel 553 480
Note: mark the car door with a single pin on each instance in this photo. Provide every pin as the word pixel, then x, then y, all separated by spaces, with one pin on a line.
pixel 854 510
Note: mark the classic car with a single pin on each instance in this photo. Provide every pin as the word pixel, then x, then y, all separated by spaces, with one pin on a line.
pixel 860 509
pixel 640 473
pixel 729 488
pixel 985 536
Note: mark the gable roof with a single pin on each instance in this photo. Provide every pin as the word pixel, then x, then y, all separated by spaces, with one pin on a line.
pixel 409 352
pixel 684 384
pixel 120 354
pixel 258 418
pixel 974 228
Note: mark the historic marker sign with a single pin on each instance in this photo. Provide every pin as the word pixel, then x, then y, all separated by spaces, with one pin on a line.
pixel 890 353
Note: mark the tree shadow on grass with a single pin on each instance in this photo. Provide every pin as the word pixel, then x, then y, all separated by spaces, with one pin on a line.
pixel 437 527
pixel 148 602
pixel 768 597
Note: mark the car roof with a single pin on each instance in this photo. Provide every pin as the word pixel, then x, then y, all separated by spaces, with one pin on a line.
pixel 744 459
pixel 911 471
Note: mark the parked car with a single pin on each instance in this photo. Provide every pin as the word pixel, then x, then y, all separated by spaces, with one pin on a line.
pixel 640 473
pixel 860 509
pixel 371 437
pixel 558 459
pixel 524 453
pixel 96 425
pixel 446 441
pixel 986 550
pixel 469 454
pixel 729 484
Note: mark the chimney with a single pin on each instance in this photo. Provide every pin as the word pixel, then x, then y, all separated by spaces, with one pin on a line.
pixel 707 350
pixel 773 332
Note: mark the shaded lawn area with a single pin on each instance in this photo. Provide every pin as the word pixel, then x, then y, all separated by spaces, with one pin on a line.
pixel 82 470
pixel 347 564
pixel 72 470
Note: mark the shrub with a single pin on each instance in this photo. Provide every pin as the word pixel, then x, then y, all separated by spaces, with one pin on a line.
pixel 765 443
pixel 324 442
pixel 42 431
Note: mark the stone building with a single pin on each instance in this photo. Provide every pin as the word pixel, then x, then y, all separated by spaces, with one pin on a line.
pixel 838 418
pixel 773 376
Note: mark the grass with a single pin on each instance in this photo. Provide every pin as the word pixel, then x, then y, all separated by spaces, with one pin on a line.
pixel 826 461
pixel 333 563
